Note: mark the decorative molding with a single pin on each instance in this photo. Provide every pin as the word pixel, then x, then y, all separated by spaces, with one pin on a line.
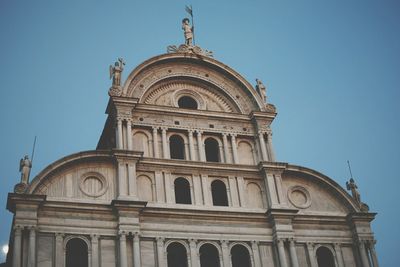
pixel 302 191
pixel 99 178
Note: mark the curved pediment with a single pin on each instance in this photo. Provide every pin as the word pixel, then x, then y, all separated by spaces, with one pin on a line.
pixel 215 86
pixel 314 193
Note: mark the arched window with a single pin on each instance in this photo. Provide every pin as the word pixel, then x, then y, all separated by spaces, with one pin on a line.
pixel 325 257
pixel 240 256
pixel 212 150
pixel 218 191
pixel 209 256
pixel 177 147
pixel 176 255
pixel 182 191
pixel 76 253
pixel 187 102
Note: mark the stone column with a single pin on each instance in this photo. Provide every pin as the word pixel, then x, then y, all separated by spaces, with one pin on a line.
pixel 191 145
pixel 339 256
pixel 123 259
pixel 160 252
pixel 270 147
pixel 194 257
pixel 119 133
pixel 200 146
pixel 311 256
pixel 155 142
pixel 59 250
pixel 136 250
pixel 226 257
pixel 281 251
pixel 264 155
pixel 226 148
pixel 17 246
pixel 256 254
pixel 363 253
pixel 129 134
pixel 95 250
pixel 293 253
pixel 234 149
pixel 32 247
pixel 164 142
pixel 221 154
pixel 373 253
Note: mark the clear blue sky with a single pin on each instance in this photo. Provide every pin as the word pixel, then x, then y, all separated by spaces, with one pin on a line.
pixel 332 68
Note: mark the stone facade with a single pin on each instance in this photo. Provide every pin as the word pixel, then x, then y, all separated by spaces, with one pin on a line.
pixel 185 168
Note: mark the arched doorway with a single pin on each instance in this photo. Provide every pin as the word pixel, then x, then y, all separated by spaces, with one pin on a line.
pixel 212 150
pixel 176 255
pixel 76 253
pixel 182 191
pixel 325 257
pixel 240 256
pixel 176 147
pixel 219 195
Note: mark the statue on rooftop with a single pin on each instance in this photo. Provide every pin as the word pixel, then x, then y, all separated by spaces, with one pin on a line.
pixel 116 72
pixel 187 31
pixel 351 185
pixel 25 166
pixel 262 90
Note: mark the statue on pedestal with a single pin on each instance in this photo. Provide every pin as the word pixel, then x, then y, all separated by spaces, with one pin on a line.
pixel 116 72
pixel 351 185
pixel 262 90
pixel 25 166
pixel 187 31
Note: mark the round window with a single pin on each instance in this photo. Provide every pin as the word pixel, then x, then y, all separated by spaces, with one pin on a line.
pixel 187 102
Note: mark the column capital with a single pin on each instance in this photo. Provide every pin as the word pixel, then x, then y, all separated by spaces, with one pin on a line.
pixel 136 236
pixel 160 239
pixel 31 228
pixel 224 242
pixel 18 227
pixel 155 128
pixel 280 241
pixel 199 131
pixel 310 244
pixel 261 132
pixel 233 135
pixel 94 237
pixel 254 244
pixel 59 235
pixel 164 128
pixel 190 130
pixel 225 134
pixel 122 233
pixel 292 240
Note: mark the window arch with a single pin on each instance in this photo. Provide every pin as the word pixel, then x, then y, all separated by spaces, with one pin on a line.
pixel 182 191
pixel 176 147
pixel 209 256
pixel 219 195
pixel 76 253
pixel 176 255
pixel 240 256
pixel 187 102
pixel 325 257
pixel 212 150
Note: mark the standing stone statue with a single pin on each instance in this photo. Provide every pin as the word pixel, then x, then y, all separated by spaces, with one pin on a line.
pixel 116 72
pixel 262 90
pixel 351 185
pixel 25 166
pixel 188 32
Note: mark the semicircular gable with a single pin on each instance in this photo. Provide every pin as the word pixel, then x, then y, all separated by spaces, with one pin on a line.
pixel 168 92
pixel 230 88
pixel 88 174
pixel 311 191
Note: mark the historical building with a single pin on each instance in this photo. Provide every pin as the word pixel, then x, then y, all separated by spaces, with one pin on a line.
pixel 184 175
